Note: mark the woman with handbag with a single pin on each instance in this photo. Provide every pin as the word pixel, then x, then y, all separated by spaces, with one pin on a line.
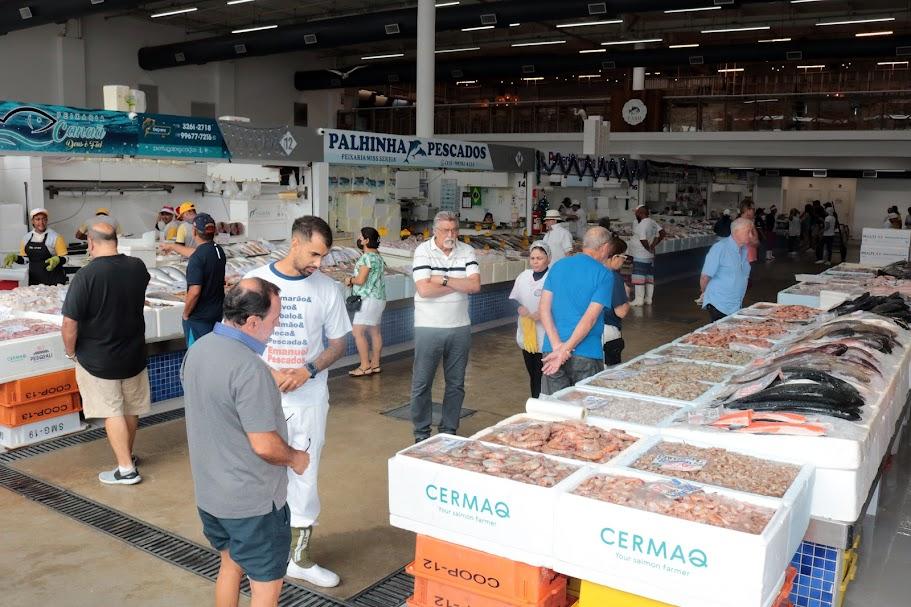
pixel 527 293
pixel 368 300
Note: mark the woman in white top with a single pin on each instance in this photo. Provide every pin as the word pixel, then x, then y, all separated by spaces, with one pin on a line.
pixel 527 292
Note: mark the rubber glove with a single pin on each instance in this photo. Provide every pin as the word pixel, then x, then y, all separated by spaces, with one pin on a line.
pixel 52 263
pixel 9 260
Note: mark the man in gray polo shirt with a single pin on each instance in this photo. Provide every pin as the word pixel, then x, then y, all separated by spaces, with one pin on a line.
pixel 239 452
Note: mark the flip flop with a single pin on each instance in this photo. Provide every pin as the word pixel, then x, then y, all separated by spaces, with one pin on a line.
pixel 359 372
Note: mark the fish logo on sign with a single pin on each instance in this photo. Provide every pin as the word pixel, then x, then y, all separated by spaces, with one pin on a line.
pixel 288 143
pixel 414 150
pixel 519 159
pixel 36 120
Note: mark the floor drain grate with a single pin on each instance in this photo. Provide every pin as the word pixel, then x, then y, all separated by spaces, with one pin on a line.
pixel 403 412
pixel 80 438
pixel 155 541
pixel 388 592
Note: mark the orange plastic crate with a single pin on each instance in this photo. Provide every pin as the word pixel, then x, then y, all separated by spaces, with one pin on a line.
pixel 36 411
pixel 431 593
pixel 782 599
pixel 39 387
pixel 484 574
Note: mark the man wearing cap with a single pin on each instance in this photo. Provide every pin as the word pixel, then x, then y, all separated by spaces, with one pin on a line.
pixel 184 242
pixel 646 236
pixel 103 215
pixel 558 238
pixel 165 225
pixel 44 249
pixel 205 282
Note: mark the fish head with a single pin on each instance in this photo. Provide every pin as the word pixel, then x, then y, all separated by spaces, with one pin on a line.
pixel 35 118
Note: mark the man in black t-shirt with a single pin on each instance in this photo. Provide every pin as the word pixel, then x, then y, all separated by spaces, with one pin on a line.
pixel 104 333
pixel 205 281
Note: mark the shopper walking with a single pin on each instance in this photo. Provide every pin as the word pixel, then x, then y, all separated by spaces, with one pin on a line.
pixel 794 231
pixel 771 219
pixel 205 281
pixel 526 292
pixel 824 255
pixel 369 284
pixel 726 272
pixel 44 250
pixel 619 306
pixel 572 312
pixel 239 452
pixel 104 333
pixel 558 238
pixel 646 236
pixel 445 273
pixel 313 308
pixel 102 215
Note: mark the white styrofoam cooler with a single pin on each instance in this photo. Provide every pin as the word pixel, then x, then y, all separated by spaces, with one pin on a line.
pixel 496 515
pixel 36 355
pixel 669 559
pixel 169 317
pixel 39 431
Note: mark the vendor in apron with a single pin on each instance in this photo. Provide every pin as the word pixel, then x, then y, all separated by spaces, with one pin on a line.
pixel 45 251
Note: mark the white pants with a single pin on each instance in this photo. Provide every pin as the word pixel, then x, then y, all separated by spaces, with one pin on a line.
pixel 306 432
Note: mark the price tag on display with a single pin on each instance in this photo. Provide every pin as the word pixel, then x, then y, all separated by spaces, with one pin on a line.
pixel 673 489
pixel 677 463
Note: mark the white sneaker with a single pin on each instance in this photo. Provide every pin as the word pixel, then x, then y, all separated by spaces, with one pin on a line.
pixel 316 575
pixel 820 262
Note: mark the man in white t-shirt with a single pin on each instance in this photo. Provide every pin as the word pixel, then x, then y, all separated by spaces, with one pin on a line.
pixel 313 307
pixel 558 238
pixel 646 236
pixel 445 273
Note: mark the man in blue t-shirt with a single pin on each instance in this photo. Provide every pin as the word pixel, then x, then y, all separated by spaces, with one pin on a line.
pixel 726 272
pixel 576 292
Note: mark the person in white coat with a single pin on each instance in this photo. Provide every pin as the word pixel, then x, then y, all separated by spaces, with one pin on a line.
pixel 558 238
pixel 526 291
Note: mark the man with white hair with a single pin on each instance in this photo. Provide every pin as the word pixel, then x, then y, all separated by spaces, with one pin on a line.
pixel 576 292
pixel 726 272
pixel 445 273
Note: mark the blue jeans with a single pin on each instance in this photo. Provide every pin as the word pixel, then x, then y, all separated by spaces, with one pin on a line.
pixel 431 346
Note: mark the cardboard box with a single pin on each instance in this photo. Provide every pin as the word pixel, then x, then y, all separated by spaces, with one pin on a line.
pixel 39 431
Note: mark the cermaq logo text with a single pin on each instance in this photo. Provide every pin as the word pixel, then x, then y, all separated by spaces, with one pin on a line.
pixel 410 149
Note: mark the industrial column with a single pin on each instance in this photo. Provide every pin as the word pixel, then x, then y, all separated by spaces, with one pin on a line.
pixel 426 67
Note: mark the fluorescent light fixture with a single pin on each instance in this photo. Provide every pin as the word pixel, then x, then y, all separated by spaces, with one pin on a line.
pixel 467 82
pixel 730 69
pixel 740 169
pixel 514 24
pixel 387 56
pixel 257 28
pixel 442 4
pixel 683 46
pixel 179 11
pixel 533 78
pixel 693 10
pixel 760 101
pixel 589 75
pixel 811 67
pixel 892 63
pixel 867 34
pixel 856 21
pixel 644 41
pixel 593 50
pixel 542 43
pixel 233 2
pixel 587 23
pixel 891 170
pixel 478 28
pixel 805 1
pixel 750 28
pixel 459 50
pixel 813 169
pixel 775 40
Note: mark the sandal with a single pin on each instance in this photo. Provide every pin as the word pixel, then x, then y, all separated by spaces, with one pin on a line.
pixel 359 372
pixel 376 370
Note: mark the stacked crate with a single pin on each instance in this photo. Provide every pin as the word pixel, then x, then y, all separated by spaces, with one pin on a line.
pixel 449 574
pixel 39 407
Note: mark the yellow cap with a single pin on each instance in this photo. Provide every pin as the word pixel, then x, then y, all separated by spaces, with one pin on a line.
pixel 102 211
pixel 184 207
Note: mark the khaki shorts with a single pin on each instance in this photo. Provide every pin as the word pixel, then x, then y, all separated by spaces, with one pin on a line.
pixel 113 397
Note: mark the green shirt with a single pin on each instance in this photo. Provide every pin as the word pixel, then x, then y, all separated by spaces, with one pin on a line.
pixel 375 286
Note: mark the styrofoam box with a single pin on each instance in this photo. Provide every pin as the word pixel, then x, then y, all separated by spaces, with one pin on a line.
pixel 795 299
pixel 881 258
pixel 798 494
pixel 170 317
pixel 496 515
pixel 669 559
pixel 33 355
pixel 151 322
pixel 39 431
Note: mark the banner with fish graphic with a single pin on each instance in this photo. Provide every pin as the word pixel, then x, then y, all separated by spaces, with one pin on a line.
pixel 362 148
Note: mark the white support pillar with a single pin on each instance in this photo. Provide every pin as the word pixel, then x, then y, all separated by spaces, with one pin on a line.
pixel 426 67
pixel 638 78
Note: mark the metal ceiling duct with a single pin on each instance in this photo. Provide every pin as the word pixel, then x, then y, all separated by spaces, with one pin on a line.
pixel 374 27
pixel 524 66
pixel 32 13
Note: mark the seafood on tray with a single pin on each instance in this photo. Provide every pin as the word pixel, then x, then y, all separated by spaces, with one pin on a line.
pixel 781 312
pixel 769 422
pixel 495 461
pixel 669 368
pixel 37 298
pixel 761 329
pixel 892 306
pixel 651 382
pixel 677 499
pixel 719 467
pixel 17 328
pixel 571 439
pixel 716 337
pixel 709 355
pixel 621 408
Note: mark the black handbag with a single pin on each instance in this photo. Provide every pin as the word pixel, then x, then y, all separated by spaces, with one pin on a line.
pixel 353 303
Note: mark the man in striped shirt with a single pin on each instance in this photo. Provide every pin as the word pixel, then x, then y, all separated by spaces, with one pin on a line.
pixel 445 272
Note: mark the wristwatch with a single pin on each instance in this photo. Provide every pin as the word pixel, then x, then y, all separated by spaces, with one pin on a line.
pixel 445 280
pixel 311 369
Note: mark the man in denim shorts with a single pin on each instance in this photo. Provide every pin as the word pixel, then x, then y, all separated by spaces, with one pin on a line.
pixel 239 451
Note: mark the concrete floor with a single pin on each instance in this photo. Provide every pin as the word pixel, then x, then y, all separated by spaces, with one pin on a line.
pixel 354 537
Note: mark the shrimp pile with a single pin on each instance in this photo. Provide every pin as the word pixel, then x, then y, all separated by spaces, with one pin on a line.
pixel 718 338
pixel 574 440
pixel 709 355
pixel 665 369
pixel 495 461
pixel 679 500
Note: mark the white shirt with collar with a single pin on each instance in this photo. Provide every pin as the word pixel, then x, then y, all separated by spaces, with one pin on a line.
pixel 451 310
pixel 560 241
